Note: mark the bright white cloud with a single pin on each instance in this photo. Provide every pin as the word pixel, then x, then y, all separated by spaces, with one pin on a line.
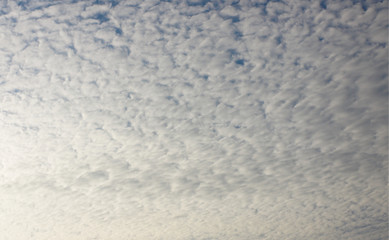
pixel 193 120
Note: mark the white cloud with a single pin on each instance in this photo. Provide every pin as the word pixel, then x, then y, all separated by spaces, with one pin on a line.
pixel 193 120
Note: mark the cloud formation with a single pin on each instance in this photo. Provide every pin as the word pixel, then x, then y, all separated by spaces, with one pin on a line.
pixel 193 120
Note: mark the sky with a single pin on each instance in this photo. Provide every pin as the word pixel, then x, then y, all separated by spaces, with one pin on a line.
pixel 193 119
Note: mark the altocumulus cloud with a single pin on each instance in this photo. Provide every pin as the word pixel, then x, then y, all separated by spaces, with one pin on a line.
pixel 193 119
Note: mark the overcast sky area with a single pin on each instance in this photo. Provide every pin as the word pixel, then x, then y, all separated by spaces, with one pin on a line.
pixel 193 120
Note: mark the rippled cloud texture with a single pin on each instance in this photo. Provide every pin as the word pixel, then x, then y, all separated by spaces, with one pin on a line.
pixel 193 120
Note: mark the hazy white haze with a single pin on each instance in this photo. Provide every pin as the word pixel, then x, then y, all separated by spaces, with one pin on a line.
pixel 193 120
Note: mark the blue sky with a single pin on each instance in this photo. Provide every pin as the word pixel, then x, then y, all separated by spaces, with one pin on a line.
pixel 193 119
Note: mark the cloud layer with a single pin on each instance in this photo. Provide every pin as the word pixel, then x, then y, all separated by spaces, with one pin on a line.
pixel 193 120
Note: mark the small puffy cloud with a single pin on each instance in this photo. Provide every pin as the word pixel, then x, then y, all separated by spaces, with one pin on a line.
pixel 193 120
